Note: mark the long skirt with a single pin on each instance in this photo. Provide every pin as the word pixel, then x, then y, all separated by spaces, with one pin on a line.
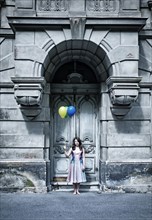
pixel 76 173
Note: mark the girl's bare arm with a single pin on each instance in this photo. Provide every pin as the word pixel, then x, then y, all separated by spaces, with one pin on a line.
pixel 67 153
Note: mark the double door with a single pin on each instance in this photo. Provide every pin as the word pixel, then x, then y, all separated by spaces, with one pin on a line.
pixel 83 124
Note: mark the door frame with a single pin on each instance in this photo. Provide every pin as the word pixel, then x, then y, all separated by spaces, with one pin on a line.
pixel 73 89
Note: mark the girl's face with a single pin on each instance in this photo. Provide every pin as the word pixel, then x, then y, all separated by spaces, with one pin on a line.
pixel 76 142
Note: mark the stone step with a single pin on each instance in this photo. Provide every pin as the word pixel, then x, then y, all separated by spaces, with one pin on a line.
pixel 64 186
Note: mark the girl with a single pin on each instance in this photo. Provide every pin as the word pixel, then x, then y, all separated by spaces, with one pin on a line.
pixel 76 173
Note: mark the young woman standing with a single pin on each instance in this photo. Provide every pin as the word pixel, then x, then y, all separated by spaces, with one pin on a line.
pixel 76 173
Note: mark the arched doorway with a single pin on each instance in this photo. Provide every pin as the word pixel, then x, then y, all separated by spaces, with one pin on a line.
pixel 75 74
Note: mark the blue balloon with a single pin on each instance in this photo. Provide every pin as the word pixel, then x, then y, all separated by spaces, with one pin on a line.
pixel 71 110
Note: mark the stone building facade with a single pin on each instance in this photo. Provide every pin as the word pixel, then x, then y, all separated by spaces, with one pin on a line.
pixel 95 55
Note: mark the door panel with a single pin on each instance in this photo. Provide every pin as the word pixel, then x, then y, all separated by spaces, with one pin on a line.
pixel 82 124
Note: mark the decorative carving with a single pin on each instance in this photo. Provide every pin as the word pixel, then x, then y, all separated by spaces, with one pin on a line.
pixel 77 27
pixel 130 55
pixel 75 78
pixel 101 5
pixel 28 94
pixel 2 3
pixel 53 5
pixel 149 5
pixel 58 149
pixel 89 148
pixel 123 92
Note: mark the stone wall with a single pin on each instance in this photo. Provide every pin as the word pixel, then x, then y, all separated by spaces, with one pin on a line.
pixel 34 40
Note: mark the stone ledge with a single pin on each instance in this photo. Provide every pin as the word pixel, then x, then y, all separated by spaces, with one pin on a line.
pixel 127 189
pixel 119 23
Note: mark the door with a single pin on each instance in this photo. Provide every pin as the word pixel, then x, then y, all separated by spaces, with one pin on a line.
pixel 83 124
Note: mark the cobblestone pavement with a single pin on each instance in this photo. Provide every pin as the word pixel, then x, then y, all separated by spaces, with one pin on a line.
pixel 66 206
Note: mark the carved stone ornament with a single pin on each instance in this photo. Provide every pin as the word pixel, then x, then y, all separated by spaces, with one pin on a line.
pixel 2 3
pixel 123 92
pixel 77 27
pixel 149 5
pixel 28 94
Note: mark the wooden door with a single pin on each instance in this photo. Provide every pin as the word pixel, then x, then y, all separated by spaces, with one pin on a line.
pixel 83 124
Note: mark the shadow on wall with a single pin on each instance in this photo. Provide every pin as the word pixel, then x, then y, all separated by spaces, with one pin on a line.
pixel 132 123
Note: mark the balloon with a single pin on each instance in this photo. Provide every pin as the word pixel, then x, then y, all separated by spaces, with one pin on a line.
pixel 71 110
pixel 62 111
pixel 66 111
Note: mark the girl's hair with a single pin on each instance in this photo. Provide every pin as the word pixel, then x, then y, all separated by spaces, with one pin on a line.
pixel 80 143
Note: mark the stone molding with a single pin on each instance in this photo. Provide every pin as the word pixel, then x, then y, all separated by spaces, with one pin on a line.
pixel 116 23
pixel 28 94
pixel 123 92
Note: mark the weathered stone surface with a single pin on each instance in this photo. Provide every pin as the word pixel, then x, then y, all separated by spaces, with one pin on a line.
pixel 37 40
pixel 22 175
pixel 21 154
pixel 16 114
pixel 127 177
pixel 123 153
pixel 129 127
pixel 9 96
pixel 22 128
pixel 132 140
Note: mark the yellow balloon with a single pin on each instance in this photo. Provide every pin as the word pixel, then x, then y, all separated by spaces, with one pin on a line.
pixel 62 111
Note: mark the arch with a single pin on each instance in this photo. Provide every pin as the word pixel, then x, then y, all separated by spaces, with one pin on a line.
pixel 84 51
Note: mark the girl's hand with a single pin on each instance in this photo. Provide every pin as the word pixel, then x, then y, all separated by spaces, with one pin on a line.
pixel 83 168
pixel 64 147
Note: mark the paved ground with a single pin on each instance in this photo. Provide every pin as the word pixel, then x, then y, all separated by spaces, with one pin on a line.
pixel 66 206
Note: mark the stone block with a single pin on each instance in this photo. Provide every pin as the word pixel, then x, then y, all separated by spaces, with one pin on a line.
pixel 139 113
pixel 7 100
pixel 24 8
pixel 7 63
pixel 128 127
pixel 145 55
pixel 77 6
pixel 41 38
pixel 24 38
pixel 129 68
pixel 24 4
pixel 123 154
pixel 6 49
pixel 122 53
pixel 24 68
pixel 97 36
pixel 22 141
pixel 22 128
pixel 15 114
pixel 56 35
pixel 113 39
pixel 144 99
pixel 7 74
pixel 11 154
pixel 128 140
pixel 32 53
pixel 129 39
pixel 144 74
pixel 130 5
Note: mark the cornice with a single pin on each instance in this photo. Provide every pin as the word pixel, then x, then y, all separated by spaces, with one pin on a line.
pixel 6 32
pixel 119 23
pixel 146 34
